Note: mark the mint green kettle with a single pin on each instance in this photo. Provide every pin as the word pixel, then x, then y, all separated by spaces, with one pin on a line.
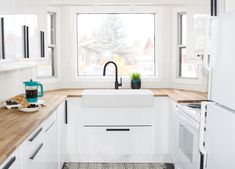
pixel 31 91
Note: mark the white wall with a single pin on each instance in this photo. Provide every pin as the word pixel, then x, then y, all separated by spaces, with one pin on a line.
pixel 11 82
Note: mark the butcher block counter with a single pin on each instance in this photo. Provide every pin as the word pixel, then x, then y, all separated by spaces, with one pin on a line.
pixel 16 126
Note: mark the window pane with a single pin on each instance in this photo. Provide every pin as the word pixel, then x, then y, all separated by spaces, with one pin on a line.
pixel 188 69
pixel 51 28
pixel 47 69
pixel 183 28
pixel 127 39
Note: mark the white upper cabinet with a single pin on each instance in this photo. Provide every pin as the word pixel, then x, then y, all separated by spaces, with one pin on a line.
pixel 21 23
pixel 27 29
pixel 7 46
pixel 229 5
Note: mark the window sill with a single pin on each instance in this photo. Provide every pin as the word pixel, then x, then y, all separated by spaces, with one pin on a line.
pixel 8 66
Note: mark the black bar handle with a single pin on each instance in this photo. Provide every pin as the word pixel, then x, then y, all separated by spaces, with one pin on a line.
pixel 35 135
pixel 24 39
pixel 3 38
pixel 215 7
pixel 36 151
pixel 117 129
pixel 50 126
pixel 212 7
pixel 66 112
pixel 9 163
pixel 42 44
pixel 27 40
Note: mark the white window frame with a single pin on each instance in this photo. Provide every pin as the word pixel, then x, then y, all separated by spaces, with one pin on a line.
pixel 53 81
pixel 53 47
pixel 178 81
pixel 105 82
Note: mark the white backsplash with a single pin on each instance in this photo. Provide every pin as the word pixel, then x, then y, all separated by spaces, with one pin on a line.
pixel 11 82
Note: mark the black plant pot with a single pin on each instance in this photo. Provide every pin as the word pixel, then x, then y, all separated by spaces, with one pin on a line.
pixel 135 84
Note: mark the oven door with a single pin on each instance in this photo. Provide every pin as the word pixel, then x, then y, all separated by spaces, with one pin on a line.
pixel 187 153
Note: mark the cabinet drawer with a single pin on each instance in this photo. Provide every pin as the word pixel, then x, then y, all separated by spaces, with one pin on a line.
pixel 13 161
pixel 118 116
pixel 116 140
pixel 49 122
pixel 33 150
pixel 33 140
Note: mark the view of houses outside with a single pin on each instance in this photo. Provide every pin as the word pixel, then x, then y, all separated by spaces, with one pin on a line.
pixel 127 39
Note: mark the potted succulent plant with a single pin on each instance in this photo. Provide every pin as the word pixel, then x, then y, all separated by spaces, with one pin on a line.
pixel 135 81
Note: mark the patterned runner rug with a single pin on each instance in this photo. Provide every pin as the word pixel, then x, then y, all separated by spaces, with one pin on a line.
pixel 116 166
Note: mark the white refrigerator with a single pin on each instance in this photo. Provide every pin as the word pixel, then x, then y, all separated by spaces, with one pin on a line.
pixel 217 128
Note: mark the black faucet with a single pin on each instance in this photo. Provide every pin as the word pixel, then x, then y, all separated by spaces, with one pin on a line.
pixel 117 84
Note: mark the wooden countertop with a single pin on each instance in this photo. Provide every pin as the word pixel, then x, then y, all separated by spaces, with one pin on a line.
pixel 16 126
pixel 177 95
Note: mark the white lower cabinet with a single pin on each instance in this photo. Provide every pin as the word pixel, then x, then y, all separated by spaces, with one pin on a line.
pixel 33 150
pixel 40 150
pixel 113 134
pixel 122 140
pixel 62 134
pixel 51 142
pixel 77 134
pixel 13 161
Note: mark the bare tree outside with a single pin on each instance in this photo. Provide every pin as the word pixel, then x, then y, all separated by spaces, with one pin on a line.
pixel 118 37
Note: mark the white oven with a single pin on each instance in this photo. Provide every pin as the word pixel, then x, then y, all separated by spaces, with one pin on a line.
pixel 187 153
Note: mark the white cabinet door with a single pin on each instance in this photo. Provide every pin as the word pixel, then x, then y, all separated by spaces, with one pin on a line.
pixel 172 131
pixel 62 134
pixel 27 11
pixel 33 150
pixel 229 5
pixel 8 36
pixel 122 140
pixel 7 33
pixel 51 142
pixel 72 135
pixel 13 161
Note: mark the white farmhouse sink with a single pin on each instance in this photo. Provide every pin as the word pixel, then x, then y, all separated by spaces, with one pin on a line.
pixel 117 98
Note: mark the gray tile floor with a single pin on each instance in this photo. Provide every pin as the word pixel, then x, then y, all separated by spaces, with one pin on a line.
pixel 116 166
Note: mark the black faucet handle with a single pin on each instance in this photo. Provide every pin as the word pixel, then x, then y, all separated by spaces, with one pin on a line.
pixel 120 84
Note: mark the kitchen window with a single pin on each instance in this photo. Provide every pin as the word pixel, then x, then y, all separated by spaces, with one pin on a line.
pixel 186 67
pixel 47 69
pixel 125 38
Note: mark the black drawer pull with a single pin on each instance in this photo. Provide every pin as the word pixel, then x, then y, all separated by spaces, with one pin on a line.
pixel 35 135
pixel 66 112
pixel 50 126
pixel 9 163
pixel 117 129
pixel 36 152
